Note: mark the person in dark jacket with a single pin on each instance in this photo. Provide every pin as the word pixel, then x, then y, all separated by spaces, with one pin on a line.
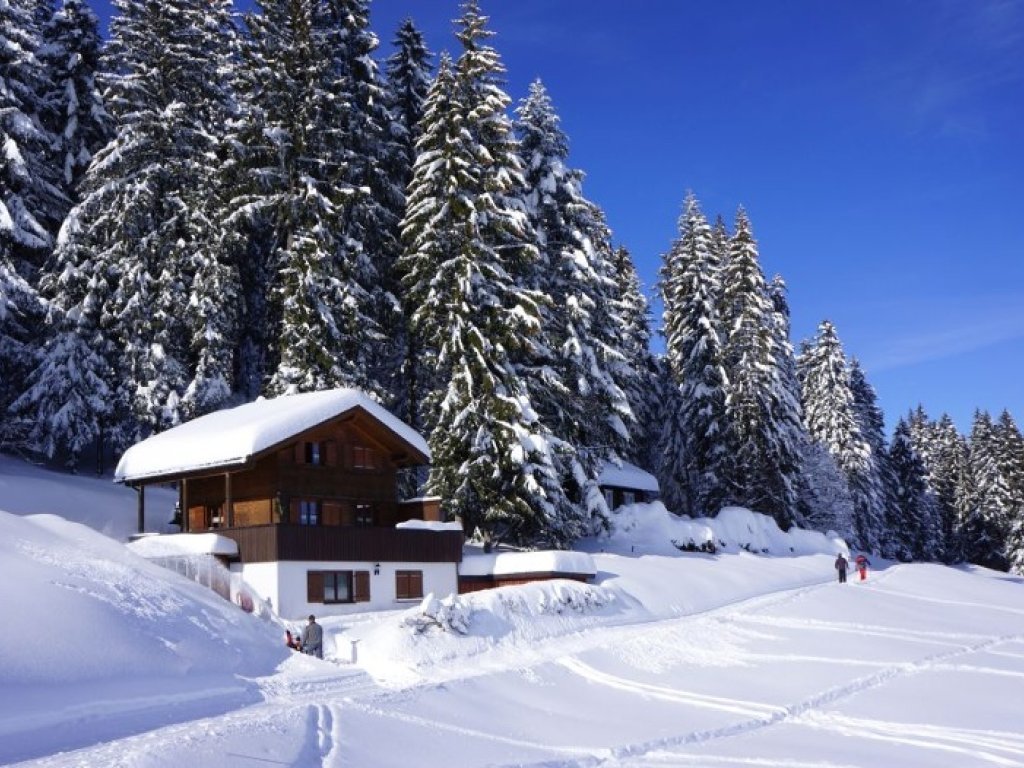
pixel 313 638
pixel 841 565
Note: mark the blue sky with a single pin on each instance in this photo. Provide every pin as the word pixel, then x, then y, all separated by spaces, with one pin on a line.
pixel 878 147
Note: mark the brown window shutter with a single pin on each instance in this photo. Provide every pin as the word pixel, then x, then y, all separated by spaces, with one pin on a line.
pixel 332 513
pixel 401 584
pixel 331 453
pixel 300 452
pixel 362 587
pixel 314 586
pixel 415 583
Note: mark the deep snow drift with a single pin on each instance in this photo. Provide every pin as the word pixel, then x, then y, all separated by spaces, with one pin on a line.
pixel 736 658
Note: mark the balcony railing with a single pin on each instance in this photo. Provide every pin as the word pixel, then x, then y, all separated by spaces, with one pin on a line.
pixel 289 542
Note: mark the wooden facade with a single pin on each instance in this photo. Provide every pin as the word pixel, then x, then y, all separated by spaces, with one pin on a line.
pixel 340 473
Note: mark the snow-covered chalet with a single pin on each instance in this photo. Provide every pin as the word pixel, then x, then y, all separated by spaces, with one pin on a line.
pixel 626 483
pixel 303 490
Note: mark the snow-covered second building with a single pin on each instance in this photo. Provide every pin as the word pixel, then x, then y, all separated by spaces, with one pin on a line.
pixel 306 487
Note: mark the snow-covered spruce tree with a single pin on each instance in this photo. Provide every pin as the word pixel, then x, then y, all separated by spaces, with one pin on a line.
pixel 576 380
pixel 825 500
pixel 787 407
pixel 918 535
pixel 831 420
pixel 695 470
pixel 32 204
pixel 987 526
pixel 148 200
pixel 407 81
pixel 21 312
pixel 875 485
pixel 73 110
pixel 1011 452
pixel 635 339
pixel 949 476
pixel 762 409
pixel 467 256
pixel 297 228
pixel 369 235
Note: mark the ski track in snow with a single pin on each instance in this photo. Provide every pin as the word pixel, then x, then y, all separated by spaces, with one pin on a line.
pixel 807 712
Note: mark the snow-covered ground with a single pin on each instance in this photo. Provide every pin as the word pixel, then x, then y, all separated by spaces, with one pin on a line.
pixel 732 659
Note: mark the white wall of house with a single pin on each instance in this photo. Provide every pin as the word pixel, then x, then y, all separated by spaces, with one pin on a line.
pixel 284 585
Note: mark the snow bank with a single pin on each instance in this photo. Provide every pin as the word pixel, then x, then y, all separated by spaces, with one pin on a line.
pixel 92 628
pixel 426 640
pixel 428 525
pixel 231 436
pixel 179 544
pixel 652 529
pixel 544 561
pixel 26 489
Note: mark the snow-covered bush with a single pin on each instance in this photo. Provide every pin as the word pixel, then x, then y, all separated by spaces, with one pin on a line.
pixel 450 614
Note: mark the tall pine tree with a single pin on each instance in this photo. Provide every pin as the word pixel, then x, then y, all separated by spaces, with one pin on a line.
pixel 468 252
pixel 763 413
pixel 695 469
pixel 576 376
pixel 831 419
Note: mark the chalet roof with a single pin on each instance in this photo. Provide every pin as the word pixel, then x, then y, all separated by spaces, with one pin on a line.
pixel 627 476
pixel 231 437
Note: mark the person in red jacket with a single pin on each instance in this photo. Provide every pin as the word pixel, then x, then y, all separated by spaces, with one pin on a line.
pixel 862 566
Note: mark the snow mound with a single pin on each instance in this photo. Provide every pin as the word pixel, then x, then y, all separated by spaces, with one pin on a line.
pixel 95 627
pixel 651 529
pixel 422 641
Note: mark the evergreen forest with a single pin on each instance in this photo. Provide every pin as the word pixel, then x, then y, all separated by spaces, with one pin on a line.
pixel 206 207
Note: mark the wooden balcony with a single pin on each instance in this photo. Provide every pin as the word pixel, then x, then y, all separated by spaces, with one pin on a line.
pixel 290 542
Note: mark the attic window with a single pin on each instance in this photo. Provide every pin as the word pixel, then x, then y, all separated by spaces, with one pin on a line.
pixel 314 453
pixel 362 457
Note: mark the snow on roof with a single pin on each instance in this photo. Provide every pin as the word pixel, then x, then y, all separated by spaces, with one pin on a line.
pixel 544 561
pixel 179 544
pixel 627 476
pixel 428 525
pixel 231 436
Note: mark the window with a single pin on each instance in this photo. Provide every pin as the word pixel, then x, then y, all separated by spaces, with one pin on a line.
pixel 337 586
pixel 408 585
pixel 309 512
pixel 314 453
pixel 364 515
pixel 628 497
pixel 362 457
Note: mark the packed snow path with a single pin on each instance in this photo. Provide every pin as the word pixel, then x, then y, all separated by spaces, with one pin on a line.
pixel 920 665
